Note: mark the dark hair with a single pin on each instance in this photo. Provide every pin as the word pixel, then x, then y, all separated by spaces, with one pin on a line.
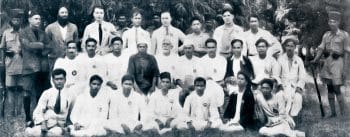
pixel 246 77
pixel 254 16
pixel 210 40
pixel 196 18
pixel 58 71
pixel 97 7
pixel 200 79
pixel 165 11
pixel 116 39
pixel 96 77
pixel 164 75
pixel 90 40
pixel 62 6
pixel 289 40
pixel 261 40
pixel 72 41
pixel 135 11
pixel 270 82
pixel 227 10
pixel 31 13
pixel 128 77
pixel 237 40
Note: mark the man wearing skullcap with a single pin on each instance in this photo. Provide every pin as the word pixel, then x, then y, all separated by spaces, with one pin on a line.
pixel 292 77
pixel 59 33
pixel 335 45
pixel 35 50
pixel 11 49
pixel 144 68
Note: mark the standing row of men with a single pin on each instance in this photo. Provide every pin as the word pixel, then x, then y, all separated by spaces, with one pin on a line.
pixel 32 53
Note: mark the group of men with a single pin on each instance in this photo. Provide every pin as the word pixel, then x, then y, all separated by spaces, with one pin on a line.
pixel 139 81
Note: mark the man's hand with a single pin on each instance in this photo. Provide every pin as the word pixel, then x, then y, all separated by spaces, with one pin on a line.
pixel 138 127
pixel 168 121
pixel 77 126
pixel 112 85
pixel 208 124
pixel 190 125
pixel 126 129
pixel 160 124
pixel 299 90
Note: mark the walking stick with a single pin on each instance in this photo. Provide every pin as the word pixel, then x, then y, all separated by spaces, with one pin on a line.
pixel 3 99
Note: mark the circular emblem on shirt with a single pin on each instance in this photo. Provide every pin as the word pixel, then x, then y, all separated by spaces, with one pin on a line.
pixel 173 67
pixel 129 103
pixel 295 62
pixel 194 70
pixel 215 70
pixel 205 104
pixel 100 109
pixel 171 101
pixel 93 66
pixel 74 72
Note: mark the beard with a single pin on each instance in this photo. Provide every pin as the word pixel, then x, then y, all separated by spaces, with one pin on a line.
pixel 63 21
pixel 15 26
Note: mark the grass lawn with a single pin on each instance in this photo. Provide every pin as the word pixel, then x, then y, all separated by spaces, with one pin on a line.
pixel 309 121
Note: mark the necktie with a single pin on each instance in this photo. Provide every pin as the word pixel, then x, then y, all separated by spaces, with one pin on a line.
pixel 57 107
pixel 100 33
pixel 167 31
pixel 136 38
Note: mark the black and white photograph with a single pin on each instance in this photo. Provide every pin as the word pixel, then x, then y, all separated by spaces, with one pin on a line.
pixel 175 68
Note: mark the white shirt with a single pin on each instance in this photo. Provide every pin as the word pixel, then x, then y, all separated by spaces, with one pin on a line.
pixel 158 36
pixel 92 66
pixel 130 39
pixel 47 102
pixel 214 68
pixel 236 64
pixel 72 68
pixel 116 67
pixel 189 69
pixel 251 39
pixel 128 108
pixel 91 111
pixel 63 31
pixel 292 74
pixel 265 68
pixel 168 63
pixel 167 106
pixel 200 107
pixel 227 34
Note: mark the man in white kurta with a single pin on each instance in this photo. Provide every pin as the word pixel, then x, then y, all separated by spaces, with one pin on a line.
pixel 254 33
pixel 166 30
pixel 99 30
pixel 70 64
pixel 165 107
pixel 167 61
pixel 292 77
pixel 200 109
pixel 90 62
pixel 126 107
pixel 133 35
pixel 51 111
pixel 228 31
pixel 214 69
pixel 91 110
pixel 117 63
pixel 264 66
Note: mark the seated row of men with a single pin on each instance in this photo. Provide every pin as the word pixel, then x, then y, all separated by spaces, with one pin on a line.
pixel 97 110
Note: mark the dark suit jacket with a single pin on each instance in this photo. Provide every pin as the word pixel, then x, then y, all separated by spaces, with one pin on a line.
pixel 247 108
pixel 34 51
pixel 56 39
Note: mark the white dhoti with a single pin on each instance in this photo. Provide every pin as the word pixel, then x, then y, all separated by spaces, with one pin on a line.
pixel 88 131
pixel 231 128
pixel 294 100
pixel 280 129
pixel 36 131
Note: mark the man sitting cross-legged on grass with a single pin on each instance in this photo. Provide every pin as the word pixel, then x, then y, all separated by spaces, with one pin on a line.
pixel 200 108
pixel 127 113
pixel 90 110
pixel 51 112
pixel 165 106
pixel 272 103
